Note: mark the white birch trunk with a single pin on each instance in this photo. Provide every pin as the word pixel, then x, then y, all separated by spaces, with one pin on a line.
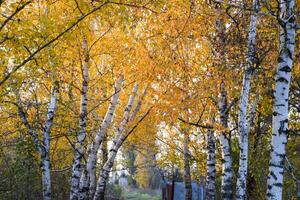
pixel 243 126
pixel 45 153
pixel 118 140
pixel 226 182
pixel 281 96
pixel 139 105
pixel 211 167
pixel 43 148
pixel 88 179
pixel 79 146
pixel 226 179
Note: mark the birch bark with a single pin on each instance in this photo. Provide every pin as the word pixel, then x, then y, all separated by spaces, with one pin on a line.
pixel 79 147
pixel 88 179
pixel 45 153
pixel 118 140
pixel 211 166
pixel 281 96
pixel 243 126
pixel 226 182
pixel 44 147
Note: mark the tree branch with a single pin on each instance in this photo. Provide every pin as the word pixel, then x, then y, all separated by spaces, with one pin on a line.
pixel 13 14
pixel 31 56
pixel 196 124
pixel 137 124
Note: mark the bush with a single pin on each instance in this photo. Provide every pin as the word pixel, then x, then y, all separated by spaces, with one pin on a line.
pixel 113 192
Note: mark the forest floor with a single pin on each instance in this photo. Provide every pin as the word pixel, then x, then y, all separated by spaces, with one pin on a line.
pixel 140 195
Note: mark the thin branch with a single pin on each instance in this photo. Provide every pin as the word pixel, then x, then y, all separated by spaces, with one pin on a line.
pixel 100 37
pixel 133 5
pixel 14 13
pixel 73 145
pixel 26 123
pixel 107 99
pixel 31 56
pixel 196 124
pixel 175 147
pixel 77 5
pixel 61 170
pixel 4 39
pixel 290 169
pixel 137 124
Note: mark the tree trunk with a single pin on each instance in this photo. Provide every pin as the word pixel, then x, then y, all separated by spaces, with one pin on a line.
pixel 43 149
pixel 226 182
pixel 92 189
pixel 243 125
pixel 79 147
pixel 104 160
pixel 187 173
pixel 211 167
pixel 118 140
pixel 45 154
pixel 220 48
pixel 281 96
pixel 88 178
pixel 46 176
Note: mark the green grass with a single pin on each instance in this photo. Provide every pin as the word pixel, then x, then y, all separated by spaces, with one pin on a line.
pixel 136 195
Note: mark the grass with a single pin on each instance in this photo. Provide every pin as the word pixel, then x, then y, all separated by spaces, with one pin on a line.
pixel 139 195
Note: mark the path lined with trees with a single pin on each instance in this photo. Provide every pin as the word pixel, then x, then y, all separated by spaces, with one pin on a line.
pixel 191 91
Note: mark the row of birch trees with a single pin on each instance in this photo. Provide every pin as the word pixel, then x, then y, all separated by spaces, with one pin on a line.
pixel 79 78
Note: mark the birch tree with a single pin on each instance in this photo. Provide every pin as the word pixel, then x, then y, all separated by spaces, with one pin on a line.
pixel 287 24
pixel 117 142
pixel 225 138
pixel 211 166
pixel 79 146
pixel 88 179
pixel 43 147
pixel 243 125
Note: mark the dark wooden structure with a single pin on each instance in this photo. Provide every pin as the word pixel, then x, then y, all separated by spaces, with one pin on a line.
pixel 176 191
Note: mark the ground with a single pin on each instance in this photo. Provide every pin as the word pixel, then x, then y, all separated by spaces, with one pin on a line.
pixel 140 195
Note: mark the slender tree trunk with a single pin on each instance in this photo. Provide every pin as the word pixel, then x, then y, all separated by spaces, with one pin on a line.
pixel 226 182
pixel 43 149
pixel 92 189
pixel 211 167
pixel 187 173
pixel 104 151
pixel 104 160
pixel 45 154
pixel 79 147
pixel 46 176
pixel 281 96
pixel 118 140
pixel 243 125
pixel 88 178
pixel 100 190
pixel 220 47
